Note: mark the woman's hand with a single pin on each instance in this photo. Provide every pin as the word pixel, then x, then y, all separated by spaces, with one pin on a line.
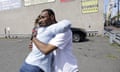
pixel 30 46
pixel 34 34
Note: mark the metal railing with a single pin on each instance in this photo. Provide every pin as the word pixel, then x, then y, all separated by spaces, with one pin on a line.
pixel 113 37
pixel 13 36
pixel 92 33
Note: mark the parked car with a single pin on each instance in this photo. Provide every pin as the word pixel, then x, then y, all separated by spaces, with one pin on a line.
pixel 78 34
pixel 116 24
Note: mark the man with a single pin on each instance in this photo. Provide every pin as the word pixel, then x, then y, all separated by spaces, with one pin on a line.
pixel 61 44
pixel 37 61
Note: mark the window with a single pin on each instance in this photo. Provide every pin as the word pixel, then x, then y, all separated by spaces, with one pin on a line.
pixel 33 2
pixel 9 4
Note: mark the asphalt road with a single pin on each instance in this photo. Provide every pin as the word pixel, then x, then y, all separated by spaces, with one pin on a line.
pixel 95 55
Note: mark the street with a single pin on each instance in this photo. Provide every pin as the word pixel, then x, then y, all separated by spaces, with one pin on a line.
pixel 95 55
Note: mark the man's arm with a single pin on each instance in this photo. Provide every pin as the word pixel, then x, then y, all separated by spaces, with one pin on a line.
pixel 45 48
pixel 59 41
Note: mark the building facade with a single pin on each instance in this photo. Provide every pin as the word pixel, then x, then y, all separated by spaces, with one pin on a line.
pixel 82 13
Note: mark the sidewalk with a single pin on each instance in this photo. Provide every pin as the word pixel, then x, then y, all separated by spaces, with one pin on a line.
pixel 113 29
pixel 97 55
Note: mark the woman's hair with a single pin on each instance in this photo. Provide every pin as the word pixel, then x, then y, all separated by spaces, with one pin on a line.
pixel 37 19
pixel 36 22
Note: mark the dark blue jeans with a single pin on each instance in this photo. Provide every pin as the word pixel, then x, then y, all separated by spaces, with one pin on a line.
pixel 30 68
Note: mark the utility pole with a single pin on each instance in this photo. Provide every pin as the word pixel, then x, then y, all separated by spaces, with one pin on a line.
pixel 118 12
pixel 109 11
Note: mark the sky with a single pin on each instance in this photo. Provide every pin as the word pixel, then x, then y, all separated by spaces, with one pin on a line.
pixel 114 11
